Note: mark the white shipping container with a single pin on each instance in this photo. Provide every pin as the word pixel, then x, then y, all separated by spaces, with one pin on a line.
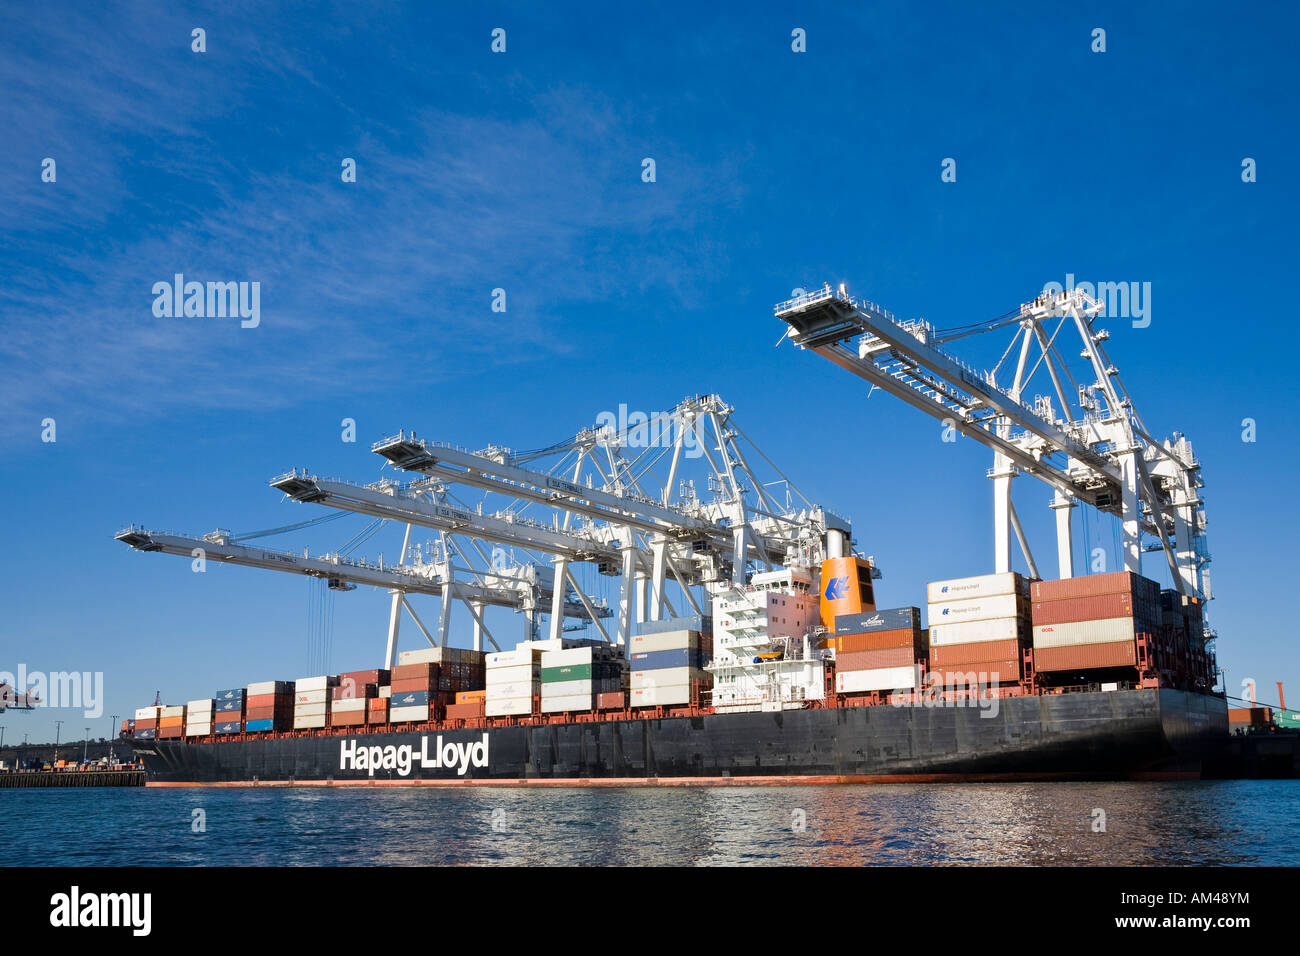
pixel 660 695
pixel 1111 630
pixel 439 655
pixel 566 688
pixel 311 696
pixel 386 691
pixel 984 585
pixel 979 609
pixel 199 706
pixel 973 632
pixel 146 713
pixel 311 683
pixel 513 674
pixel 397 715
pixel 667 641
pixel 508 705
pixel 176 711
pixel 878 678
pixel 668 676
pixel 198 730
pixel 321 708
pixel 520 689
pixel 553 705
pixel 578 655
pixel 308 723
pixel 520 655
pixel 348 704
pixel 261 687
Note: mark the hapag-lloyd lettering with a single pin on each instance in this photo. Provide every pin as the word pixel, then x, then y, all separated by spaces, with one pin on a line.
pixel 402 758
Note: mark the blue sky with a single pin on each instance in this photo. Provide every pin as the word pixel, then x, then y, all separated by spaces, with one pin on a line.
pixel 522 171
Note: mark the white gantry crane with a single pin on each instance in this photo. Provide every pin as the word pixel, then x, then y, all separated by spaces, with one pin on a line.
pixel 1083 436
pixel 620 496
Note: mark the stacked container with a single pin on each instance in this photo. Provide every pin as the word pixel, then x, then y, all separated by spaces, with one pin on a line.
pixel 311 702
pixel 146 723
pixel 171 722
pixel 469 705
pixel 1092 623
pixel 198 718
pixel 456 668
pixel 229 716
pixel 268 706
pixel 514 678
pixel 878 650
pixel 349 701
pixel 666 662
pixel 573 678
pixel 412 691
pixel 979 625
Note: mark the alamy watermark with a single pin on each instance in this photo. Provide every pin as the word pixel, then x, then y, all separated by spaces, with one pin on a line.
pixel 1121 300
pixel 652 430
pixel 83 689
pixel 931 690
pixel 211 300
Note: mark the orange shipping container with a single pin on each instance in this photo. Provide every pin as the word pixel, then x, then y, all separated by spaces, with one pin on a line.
pixel 879 641
pixel 1008 672
pixel 409 671
pixel 471 696
pixel 415 683
pixel 349 718
pixel 1080 657
pixel 953 655
pixel 465 711
pixel 871 660
pixel 172 722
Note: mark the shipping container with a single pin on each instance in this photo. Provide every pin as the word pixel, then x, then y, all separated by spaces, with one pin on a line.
pixel 310 710
pixel 872 660
pixel 1085 632
pixel 146 713
pixel 230 706
pixel 414 671
pixel 262 713
pixel 233 693
pixel 361 678
pixel 984 674
pixel 513 674
pixel 314 683
pixel 889 619
pixel 414 684
pixel 173 711
pixel 305 722
pixel 471 697
pixel 198 707
pixel 350 690
pixel 270 687
pixel 972 632
pixel 351 718
pixel 660 695
pixel 978 652
pixel 664 641
pixel 145 733
pixel 1249 717
pixel 311 696
pixel 569 702
pixel 879 641
pixel 1080 657
pixel 234 726
pixel 661 660
pixel 984 585
pixel 997 607
pixel 611 700
pixel 439 655
pixel 507 706
pixel 691 622
pixel 668 676
pixel 351 705
pixel 1094 608
pixel 885 678
pixel 520 689
pixel 519 656
pixel 198 730
pixel 467 711
pixel 414 698
pixel 1092 585
pixel 256 726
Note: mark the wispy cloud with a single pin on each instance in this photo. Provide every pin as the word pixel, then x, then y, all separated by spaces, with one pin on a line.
pixel 163 168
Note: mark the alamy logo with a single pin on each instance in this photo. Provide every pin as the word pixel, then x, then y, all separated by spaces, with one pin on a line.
pixel 653 430
pixel 447 755
pixel 1123 300
pixel 213 300
pixel 74 909
pixel 82 689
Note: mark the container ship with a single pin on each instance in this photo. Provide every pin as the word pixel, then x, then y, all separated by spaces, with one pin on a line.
pixel 746 645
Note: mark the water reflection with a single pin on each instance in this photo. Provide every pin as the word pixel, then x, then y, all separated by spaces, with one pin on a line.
pixel 1227 822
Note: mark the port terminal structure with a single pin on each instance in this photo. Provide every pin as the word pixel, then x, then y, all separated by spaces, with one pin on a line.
pixel 679 506
pixel 1082 435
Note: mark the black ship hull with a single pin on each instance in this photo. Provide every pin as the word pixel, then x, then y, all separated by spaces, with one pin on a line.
pixel 1111 735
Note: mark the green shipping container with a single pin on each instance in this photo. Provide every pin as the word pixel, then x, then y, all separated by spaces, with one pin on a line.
pixel 554 675
pixel 1287 718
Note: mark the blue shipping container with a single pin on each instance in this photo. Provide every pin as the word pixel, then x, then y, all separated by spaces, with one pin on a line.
pixel 891 619
pixel 229 706
pixel 412 698
pixel 691 622
pixel 255 725
pixel 657 660
pixel 231 726
pixel 150 734
pixel 235 693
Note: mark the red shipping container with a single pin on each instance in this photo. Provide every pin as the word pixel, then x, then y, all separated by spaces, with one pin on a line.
pixel 350 691
pixel 1085 656
pixel 1092 585
pixel 1008 672
pixel 268 700
pixel 377 703
pixel 169 733
pixel 610 700
pixel 416 684
pixel 378 716
pixel 952 655
pixel 464 711
pixel 870 660
pixel 349 718
pixel 365 677
pixel 1097 608
pixel 409 671
pixel 146 724
pixel 267 713
pixel 879 640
